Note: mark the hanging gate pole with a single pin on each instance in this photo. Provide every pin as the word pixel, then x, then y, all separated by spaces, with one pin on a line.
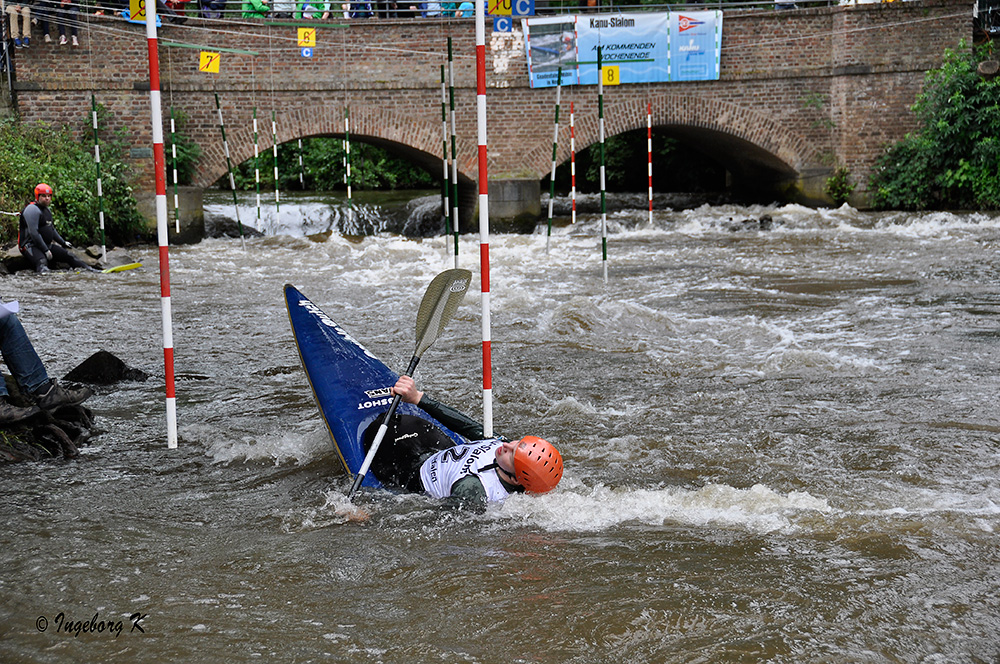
pixel 100 188
pixel 555 148
pixel 229 167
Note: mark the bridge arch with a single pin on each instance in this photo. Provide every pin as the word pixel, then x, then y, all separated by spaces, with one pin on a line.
pixel 416 140
pixel 753 146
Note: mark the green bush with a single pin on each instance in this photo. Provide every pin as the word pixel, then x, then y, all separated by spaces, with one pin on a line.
pixel 323 167
pixel 953 160
pixel 33 153
pixel 839 186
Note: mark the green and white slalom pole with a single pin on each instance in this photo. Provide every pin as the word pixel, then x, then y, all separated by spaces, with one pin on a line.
pixel 604 206
pixel 97 162
pixel 302 169
pixel 454 150
pixel 274 149
pixel 347 149
pixel 256 165
pixel 173 156
pixel 445 213
pixel 229 168
pixel 555 148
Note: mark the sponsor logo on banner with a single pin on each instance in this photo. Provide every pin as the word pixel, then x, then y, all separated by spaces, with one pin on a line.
pixel 686 23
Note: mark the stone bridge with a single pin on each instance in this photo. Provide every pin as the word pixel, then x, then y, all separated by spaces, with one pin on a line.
pixel 801 91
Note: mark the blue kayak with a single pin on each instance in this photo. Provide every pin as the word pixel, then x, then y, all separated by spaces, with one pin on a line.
pixel 350 384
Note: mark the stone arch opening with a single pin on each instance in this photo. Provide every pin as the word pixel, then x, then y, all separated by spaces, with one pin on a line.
pixel 410 141
pixel 762 158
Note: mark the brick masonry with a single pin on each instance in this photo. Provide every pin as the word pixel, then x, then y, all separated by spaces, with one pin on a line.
pixel 801 91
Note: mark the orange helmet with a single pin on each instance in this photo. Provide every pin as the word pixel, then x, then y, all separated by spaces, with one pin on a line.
pixel 537 464
pixel 42 189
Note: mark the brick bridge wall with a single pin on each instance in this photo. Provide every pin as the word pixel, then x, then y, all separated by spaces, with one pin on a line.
pixel 801 91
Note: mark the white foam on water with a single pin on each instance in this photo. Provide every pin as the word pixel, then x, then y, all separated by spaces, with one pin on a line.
pixel 576 507
pixel 281 447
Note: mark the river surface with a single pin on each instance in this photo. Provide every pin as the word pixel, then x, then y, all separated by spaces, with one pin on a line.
pixel 781 446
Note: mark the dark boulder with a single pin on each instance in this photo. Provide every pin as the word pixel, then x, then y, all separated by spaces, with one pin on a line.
pixel 103 368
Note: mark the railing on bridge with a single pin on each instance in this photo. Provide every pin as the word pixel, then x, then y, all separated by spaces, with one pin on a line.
pixel 74 17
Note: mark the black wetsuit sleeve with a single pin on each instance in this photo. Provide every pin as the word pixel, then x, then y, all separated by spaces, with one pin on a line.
pixel 467 493
pixel 455 420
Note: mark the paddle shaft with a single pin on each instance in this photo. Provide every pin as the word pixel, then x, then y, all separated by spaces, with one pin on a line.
pixel 438 305
pixel 382 430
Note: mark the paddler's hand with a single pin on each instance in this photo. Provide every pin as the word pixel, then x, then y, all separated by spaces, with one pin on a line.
pixel 407 390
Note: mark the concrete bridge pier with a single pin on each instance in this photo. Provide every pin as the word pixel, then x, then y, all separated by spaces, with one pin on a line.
pixel 192 215
pixel 515 205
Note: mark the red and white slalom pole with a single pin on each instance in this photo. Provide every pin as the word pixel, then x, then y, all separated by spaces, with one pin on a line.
pixel 484 217
pixel 572 161
pixel 649 150
pixel 160 170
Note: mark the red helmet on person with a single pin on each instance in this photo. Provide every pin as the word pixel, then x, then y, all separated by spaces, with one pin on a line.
pixel 538 465
pixel 42 188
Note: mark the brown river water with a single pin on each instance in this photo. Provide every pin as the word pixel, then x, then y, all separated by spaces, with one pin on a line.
pixel 781 446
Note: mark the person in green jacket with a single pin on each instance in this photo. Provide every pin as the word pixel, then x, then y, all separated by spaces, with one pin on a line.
pixel 255 8
pixel 313 10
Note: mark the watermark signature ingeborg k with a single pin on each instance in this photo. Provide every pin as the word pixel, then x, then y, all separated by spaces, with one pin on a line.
pixel 62 624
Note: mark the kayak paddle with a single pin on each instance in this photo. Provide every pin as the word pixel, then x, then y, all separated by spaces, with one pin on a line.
pixel 440 302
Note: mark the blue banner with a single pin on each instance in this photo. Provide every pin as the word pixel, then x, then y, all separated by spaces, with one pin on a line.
pixel 635 48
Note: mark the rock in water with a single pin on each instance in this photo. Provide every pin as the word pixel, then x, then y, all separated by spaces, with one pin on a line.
pixel 103 368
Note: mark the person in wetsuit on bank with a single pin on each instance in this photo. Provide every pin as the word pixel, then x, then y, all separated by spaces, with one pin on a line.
pixel 37 237
pixel 418 457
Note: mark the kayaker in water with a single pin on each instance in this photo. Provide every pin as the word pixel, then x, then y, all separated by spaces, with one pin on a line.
pixel 417 456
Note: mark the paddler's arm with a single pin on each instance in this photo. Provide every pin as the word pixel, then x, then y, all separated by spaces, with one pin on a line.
pixel 467 493
pixel 455 420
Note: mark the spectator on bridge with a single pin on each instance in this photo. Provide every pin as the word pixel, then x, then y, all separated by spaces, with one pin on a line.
pixel 283 8
pixel 426 9
pixel 255 8
pixel 387 9
pixel 64 13
pixel 212 8
pixel 21 34
pixel 465 10
pixel 360 9
pixel 313 10
pixel 178 7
